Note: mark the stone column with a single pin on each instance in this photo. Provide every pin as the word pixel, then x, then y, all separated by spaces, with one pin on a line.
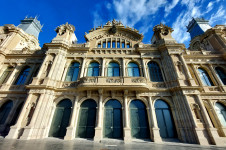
pixel 53 66
pixel 123 68
pixel 98 129
pixel 30 75
pixel 14 130
pixel 28 129
pixel 103 66
pixel 83 68
pixel 144 68
pixel 127 129
pixel 215 139
pixel 43 66
pixel 14 74
pixel 154 125
pixel 71 128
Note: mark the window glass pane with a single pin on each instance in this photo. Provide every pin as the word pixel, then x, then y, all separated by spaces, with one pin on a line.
pixel 205 77
pixel 22 77
pixel 220 110
pixel 123 44
pixel 6 75
pixel 73 71
pixel 130 72
pixel 116 72
pixel 127 46
pixel 99 45
pixel 221 74
pixel 118 44
pixel 113 44
pixel 155 72
pixel 104 45
pixel 96 71
pixel 110 72
pixel 90 72
pixel 109 44
pixel 136 72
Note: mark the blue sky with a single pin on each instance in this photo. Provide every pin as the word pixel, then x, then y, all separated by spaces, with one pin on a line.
pixel 140 14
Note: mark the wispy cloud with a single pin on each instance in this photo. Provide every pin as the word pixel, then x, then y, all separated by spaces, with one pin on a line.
pixel 219 15
pixel 170 6
pixel 144 14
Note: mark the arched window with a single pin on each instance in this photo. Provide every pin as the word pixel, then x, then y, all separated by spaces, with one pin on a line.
pixel 113 69
pixel 133 70
pixel 221 74
pixel 5 110
pixel 93 69
pixel 73 71
pixel 206 81
pixel 155 72
pixel 23 76
pixel 6 75
pixel 221 113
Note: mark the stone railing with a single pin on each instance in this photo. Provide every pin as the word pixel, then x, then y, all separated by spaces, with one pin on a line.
pixel 106 81
pixel 211 89
pixel 6 87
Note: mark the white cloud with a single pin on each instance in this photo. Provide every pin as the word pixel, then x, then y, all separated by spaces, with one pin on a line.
pixel 169 7
pixel 131 12
pixel 97 19
pixel 219 15
pixel 144 14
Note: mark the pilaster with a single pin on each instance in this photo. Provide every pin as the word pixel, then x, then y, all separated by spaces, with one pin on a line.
pixel 71 129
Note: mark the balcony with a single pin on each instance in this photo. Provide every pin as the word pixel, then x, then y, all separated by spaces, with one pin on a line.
pixel 135 83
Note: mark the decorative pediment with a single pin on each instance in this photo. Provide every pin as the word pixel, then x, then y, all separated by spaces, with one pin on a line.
pixel 114 29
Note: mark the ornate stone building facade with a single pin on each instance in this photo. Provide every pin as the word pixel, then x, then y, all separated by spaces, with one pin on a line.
pixel 113 86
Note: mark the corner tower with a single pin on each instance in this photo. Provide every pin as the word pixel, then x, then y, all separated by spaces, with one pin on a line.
pixel 197 26
pixel 31 26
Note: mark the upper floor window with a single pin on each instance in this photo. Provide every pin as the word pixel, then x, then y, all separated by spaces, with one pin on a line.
pixel 133 70
pixel 114 43
pixel 221 113
pixel 113 69
pixel 155 72
pixel 22 76
pixel 73 71
pixel 221 74
pixel 6 74
pixel 206 81
pixel 93 69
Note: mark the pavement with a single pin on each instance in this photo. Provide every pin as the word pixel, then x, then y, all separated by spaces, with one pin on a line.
pixel 85 144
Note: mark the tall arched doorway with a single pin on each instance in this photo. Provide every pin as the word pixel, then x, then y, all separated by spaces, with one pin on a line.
pixel 164 119
pixel 87 119
pixel 113 119
pixel 139 120
pixel 61 119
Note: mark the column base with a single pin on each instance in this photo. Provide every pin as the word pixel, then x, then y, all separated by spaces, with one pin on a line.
pixel 201 136
pixel 127 135
pixel 13 132
pixel 215 139
pixel 70 135
pixel 27 133
pixel 98 134
pixel 156 135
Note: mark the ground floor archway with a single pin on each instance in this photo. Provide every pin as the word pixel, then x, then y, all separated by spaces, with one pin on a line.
pixel 61 119
pixel 139 120
pixel 87 119
pixel 165 120
pixel 113 119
